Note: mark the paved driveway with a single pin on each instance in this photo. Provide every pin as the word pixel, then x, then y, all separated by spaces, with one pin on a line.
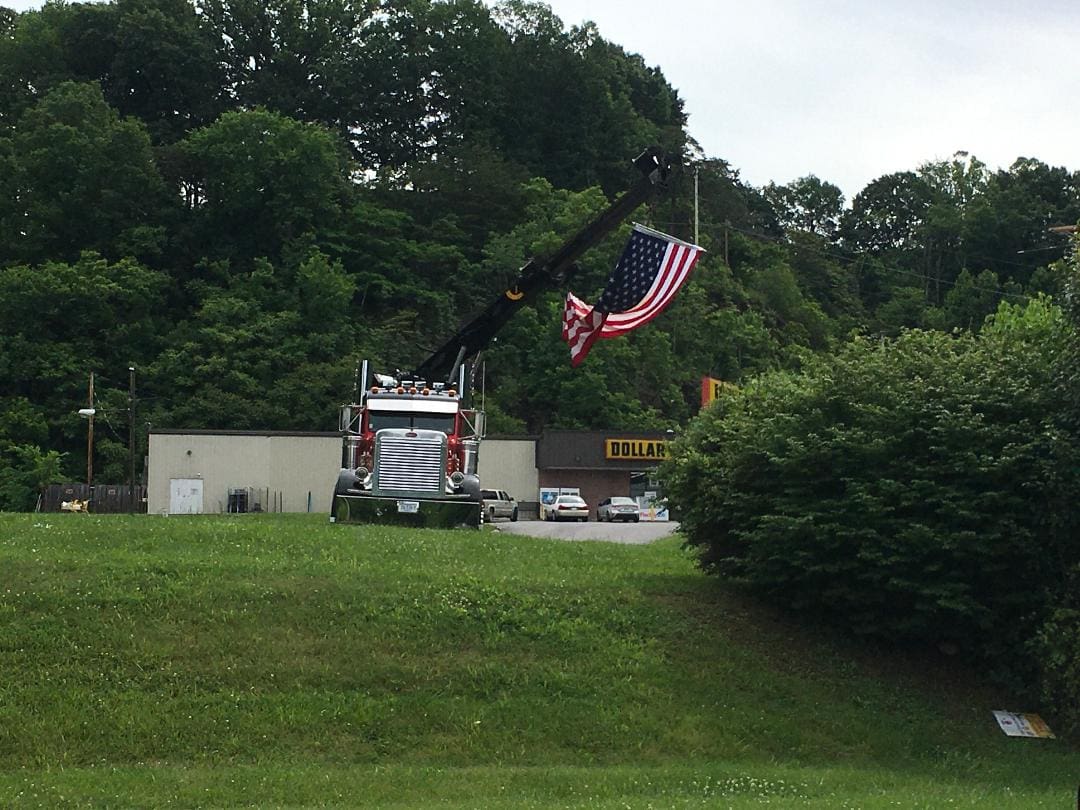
pixel 634 533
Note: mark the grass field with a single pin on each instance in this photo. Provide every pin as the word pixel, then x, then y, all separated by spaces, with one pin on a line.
pixel 263 661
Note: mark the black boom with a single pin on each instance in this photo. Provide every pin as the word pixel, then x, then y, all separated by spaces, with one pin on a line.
pixel 539 275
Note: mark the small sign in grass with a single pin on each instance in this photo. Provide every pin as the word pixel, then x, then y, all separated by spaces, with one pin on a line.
pixel 1023 725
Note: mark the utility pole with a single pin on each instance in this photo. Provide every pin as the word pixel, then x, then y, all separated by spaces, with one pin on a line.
pixel 131 438
pixel 90 442
pixel 696 240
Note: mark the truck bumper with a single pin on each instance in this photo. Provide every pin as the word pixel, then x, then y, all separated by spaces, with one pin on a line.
pixel 429 513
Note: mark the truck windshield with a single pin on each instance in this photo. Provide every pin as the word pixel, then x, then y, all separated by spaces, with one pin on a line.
pixel 422 421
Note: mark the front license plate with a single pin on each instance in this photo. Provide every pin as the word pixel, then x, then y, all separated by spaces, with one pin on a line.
pixel 408 506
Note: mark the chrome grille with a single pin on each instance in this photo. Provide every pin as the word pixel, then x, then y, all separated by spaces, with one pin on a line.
pixel 410 463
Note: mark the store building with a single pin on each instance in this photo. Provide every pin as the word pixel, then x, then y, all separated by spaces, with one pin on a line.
pixel 601 464
pixel 214 471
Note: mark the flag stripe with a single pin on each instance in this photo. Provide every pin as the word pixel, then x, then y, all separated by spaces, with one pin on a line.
pixel 581 327
pixel 676 270
pixel 650 271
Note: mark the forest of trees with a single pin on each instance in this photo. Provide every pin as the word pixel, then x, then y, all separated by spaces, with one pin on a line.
pixel 242 199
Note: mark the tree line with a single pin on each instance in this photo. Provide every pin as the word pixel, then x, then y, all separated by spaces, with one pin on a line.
pixel 241 199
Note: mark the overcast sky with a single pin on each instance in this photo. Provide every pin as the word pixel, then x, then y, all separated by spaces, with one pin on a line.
pixel 850 90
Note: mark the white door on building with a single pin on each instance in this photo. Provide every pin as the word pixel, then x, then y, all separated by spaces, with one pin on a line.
pixel 185 496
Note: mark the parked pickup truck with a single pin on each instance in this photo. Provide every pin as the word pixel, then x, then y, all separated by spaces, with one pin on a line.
pixel 499 503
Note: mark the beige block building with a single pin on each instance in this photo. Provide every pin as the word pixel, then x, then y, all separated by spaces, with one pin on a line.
pixel 203 471
pixel 212 471
pixel 510 464
pixel 215 471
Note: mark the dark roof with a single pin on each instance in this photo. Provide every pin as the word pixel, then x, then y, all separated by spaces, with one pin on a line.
pixel 584 449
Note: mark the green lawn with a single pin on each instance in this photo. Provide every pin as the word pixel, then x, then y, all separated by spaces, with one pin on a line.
pixel 282 661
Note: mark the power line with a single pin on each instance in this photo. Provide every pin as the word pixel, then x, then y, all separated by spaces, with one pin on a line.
pixel 863 256
pixel 893 268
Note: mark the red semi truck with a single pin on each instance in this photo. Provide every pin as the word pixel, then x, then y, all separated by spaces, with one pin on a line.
pixel 411 442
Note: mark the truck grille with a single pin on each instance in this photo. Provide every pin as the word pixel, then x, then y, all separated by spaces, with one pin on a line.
pixel 410 463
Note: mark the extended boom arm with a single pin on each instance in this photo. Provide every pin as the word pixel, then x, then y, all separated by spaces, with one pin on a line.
pixel 536 276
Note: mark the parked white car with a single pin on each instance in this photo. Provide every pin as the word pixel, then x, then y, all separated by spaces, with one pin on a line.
pixel 611 509
pixel 567 507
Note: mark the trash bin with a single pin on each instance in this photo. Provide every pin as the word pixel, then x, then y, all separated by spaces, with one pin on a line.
pixel 238 500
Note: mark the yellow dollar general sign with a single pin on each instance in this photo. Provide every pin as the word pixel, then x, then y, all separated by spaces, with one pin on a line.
pixel 712 388
pixel 635 449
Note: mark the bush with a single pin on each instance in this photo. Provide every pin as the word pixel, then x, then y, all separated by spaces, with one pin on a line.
pixel 25 470
pixel 900 488
pixel 1057 648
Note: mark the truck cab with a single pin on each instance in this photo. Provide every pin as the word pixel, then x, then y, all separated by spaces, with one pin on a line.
pixel 409 456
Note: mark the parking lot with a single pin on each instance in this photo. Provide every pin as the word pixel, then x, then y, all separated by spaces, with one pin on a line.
pixel 632 533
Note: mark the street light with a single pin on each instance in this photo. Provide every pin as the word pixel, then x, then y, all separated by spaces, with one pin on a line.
pixel 88 414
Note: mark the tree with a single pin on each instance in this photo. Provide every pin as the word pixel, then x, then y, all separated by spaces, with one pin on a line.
pixel 259 181
pixel 25 468
pixel 269 349
pixel 1010 234
pixel 1057 645
pixel 971 299
pixel 828 279
pixel 958 198
pixel 78 178
pixel 358 68
pixel 163 69
pixel 939 228
pixel 91 315
pixel 152 59
pixel 8 18
pixel 574 108
pixel 470 193
pixel 808 204
pixel 32 59
pixel 888 214
pixel 25 471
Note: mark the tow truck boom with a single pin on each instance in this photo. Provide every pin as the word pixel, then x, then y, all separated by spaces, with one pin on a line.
pixel 536 276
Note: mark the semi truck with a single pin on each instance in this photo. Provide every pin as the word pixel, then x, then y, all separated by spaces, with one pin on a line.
pixel 411 440
pixel 409 453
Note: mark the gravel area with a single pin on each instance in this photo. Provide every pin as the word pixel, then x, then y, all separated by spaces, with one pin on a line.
pixel 632 533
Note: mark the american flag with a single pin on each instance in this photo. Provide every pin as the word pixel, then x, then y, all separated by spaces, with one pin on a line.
pixel 652 268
